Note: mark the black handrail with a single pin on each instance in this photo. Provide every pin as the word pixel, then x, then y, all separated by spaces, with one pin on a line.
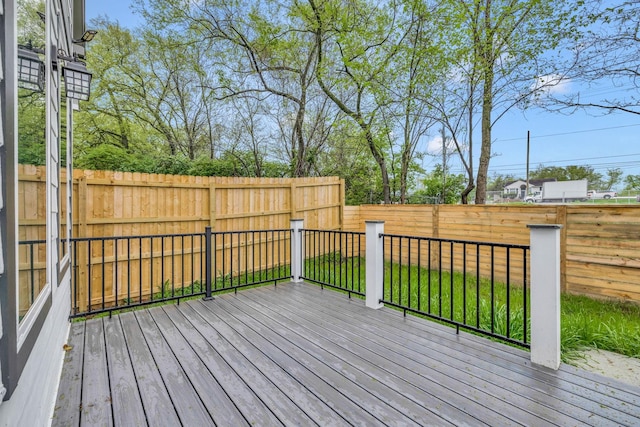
pixel 476 286
pixel 114 273
pixel 335 259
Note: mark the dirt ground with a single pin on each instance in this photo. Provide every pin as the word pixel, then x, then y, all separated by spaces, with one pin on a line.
pixel 613 365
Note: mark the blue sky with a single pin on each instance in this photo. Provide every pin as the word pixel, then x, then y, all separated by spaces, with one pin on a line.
pixel 592 138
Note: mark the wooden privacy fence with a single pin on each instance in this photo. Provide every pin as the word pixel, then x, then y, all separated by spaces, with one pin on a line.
pixel 600 245
pixel 110 204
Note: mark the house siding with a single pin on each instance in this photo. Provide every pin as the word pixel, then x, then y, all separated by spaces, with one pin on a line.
pixel 3 390
pixel 33 366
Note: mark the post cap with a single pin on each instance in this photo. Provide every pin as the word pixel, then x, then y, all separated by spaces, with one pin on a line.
pixel 548 226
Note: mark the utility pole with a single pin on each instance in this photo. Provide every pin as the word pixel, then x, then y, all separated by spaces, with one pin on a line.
pixel 528 142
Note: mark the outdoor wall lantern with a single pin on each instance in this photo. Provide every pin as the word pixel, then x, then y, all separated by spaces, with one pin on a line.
pixel 77 80
pixel 30 69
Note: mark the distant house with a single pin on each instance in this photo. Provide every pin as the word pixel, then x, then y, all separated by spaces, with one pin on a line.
pixel 516 189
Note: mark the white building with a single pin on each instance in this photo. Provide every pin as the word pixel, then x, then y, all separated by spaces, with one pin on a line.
pixel 517 189
pixel 34 320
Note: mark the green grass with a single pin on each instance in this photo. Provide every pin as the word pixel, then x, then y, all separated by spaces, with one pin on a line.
pixel 605 325
pixel 454 297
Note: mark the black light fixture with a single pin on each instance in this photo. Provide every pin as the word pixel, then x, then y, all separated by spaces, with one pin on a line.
pixel 30 69
pixel 86 37
pixel 77 80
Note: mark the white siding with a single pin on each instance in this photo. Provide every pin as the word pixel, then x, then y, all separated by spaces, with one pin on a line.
pixel 2 389
pixel 32 401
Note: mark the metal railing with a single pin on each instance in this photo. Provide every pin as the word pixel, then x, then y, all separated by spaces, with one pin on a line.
pixel 477 286
pixel 482 287
pixel 246 258
pixel 335 259
pixel 112 273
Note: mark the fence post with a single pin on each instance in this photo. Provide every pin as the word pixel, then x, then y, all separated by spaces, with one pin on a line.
pixel 375 263
pixel 297 250
pixel 545 294
pixel 207 269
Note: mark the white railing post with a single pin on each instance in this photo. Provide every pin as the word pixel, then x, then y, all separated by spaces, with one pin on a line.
pixel 297 250
pixel 545 294
pixel 375 263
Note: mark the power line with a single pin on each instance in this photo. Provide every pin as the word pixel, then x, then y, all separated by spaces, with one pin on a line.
pixel 515 169
pixel 574 160
pixel 569 133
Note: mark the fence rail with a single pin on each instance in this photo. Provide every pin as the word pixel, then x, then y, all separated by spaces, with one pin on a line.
pixel 472 285
pixel 599 244
pixel 334 259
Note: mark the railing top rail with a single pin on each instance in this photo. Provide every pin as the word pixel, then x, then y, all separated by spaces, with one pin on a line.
pixel 468 242
pixel 360 233
pixel 140 236
pixel 32 242
pixel 268 230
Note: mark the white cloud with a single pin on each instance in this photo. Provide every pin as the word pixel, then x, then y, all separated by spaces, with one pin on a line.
pixel 434 146
pixel 552 84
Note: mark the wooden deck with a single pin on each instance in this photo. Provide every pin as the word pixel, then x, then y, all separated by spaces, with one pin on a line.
pixel 298 355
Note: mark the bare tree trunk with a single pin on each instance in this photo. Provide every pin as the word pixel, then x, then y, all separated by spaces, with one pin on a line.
pixel 487 58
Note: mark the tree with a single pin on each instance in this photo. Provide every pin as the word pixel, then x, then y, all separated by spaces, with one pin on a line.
pixel 505 40
pixel 347 160
pixel 107 118
pixel 412 83
pixel 497 182
pixel 433 190
pixel 147 95
pixel 607 51
pixel 571 172
pixel 632 182
pixel 614 177
pixel 355 44
pixel 259 52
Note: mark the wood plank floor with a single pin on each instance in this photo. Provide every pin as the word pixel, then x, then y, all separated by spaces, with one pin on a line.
pixel 299 355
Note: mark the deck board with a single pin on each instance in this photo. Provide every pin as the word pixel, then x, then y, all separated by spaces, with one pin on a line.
pixel 348 395
pixel 513 374
pixel 598 395
pixel 218 404
pixel 158 405
pixel 127 405
pixel 67 410
pixel 276 366
pixel 442 379
pixel 225 374
pixel 296 354
pixel 187 402
pixel 96 395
